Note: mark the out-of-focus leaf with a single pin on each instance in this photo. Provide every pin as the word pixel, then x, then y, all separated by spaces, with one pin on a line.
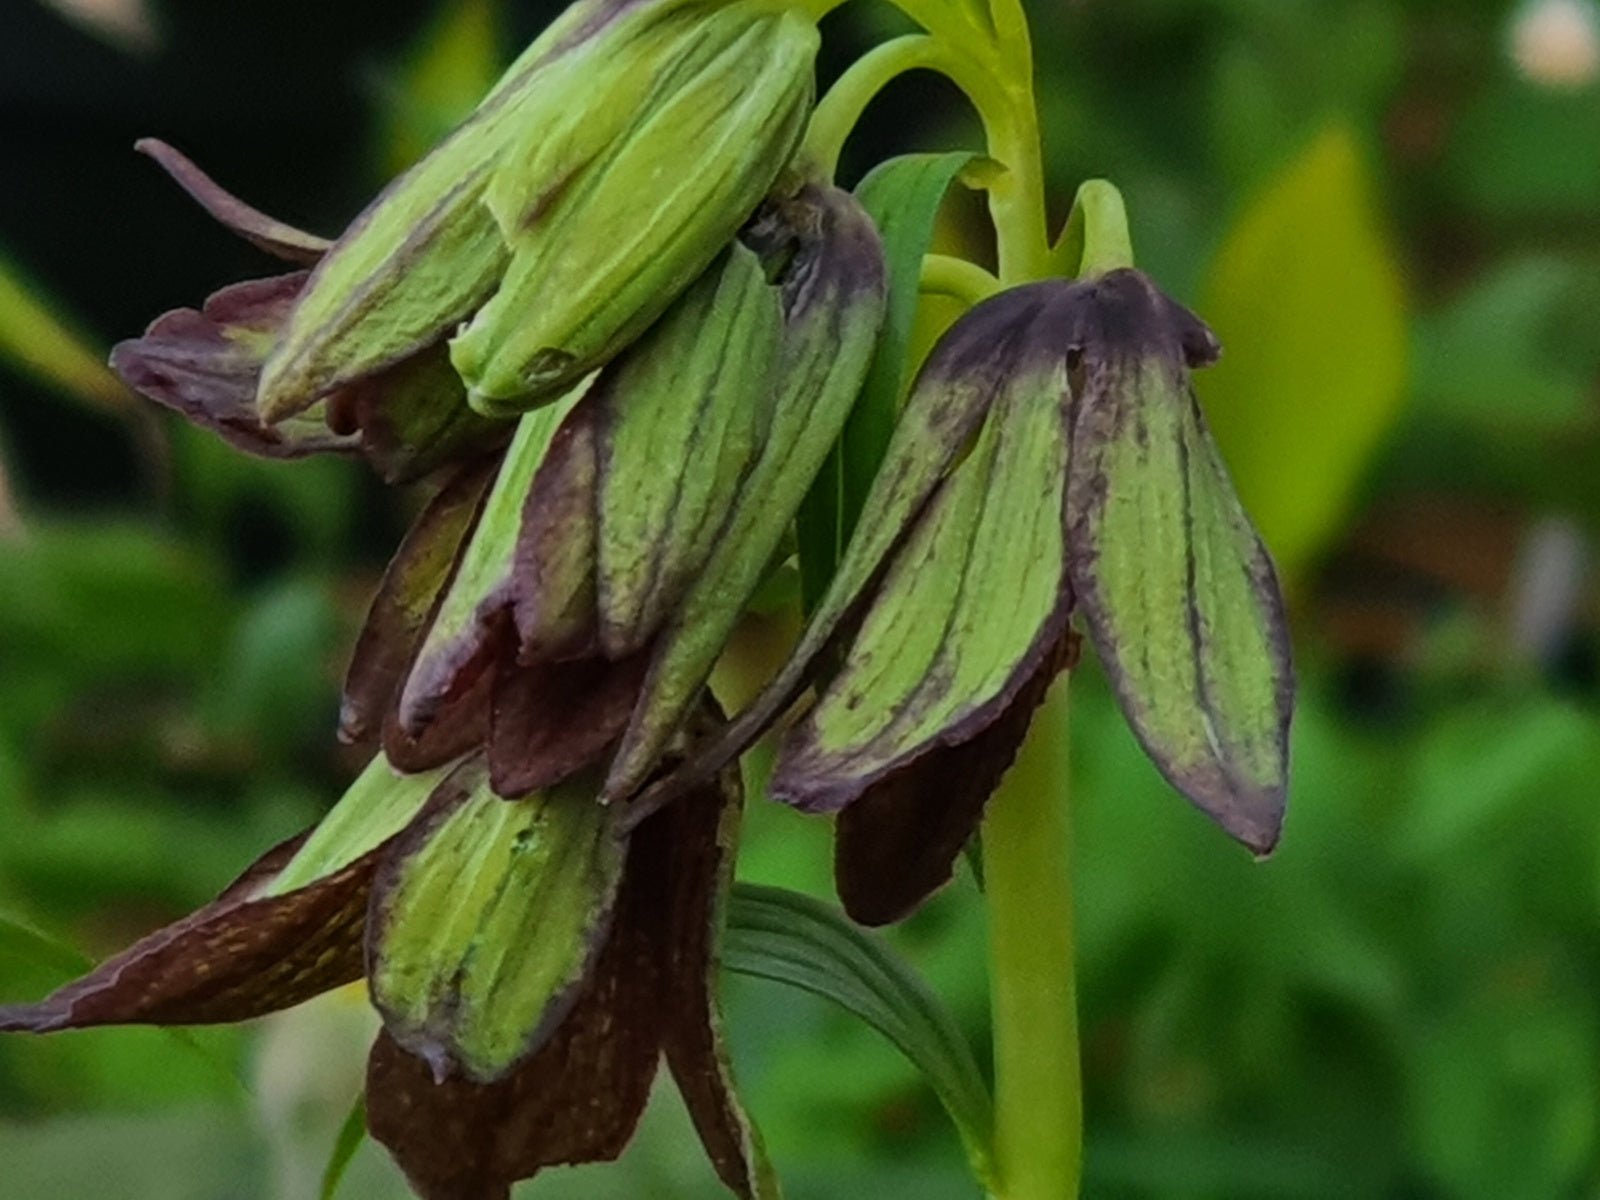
pixel 790 938
pixel 447 72
pixel 1503 1095
pixel 1521 151
pixel 21 941
pixel 351 1134
pixel 112 597
pixel 1496 359
pixel 1306 296
pixel 38 339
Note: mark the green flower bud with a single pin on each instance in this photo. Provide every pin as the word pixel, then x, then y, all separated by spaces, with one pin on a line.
pixel 560 209
pixel 612 208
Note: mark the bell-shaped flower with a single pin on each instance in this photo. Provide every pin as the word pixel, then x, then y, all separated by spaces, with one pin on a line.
pixel 1051 459
pixel 595 183
pixel 406 420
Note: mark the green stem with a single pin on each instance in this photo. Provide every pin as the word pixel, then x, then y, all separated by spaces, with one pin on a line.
pixel 840 111
pixel 1027 864
pixel 1028 889
pixel 943 275
pixel 1096 239
pixel 1038 1102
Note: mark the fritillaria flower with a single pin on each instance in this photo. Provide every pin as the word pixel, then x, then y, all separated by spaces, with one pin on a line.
pixel 546 628
pixel 1052 460
pixel 619 325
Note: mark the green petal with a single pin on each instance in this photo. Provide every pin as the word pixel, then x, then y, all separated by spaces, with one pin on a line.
pixel 902 196
pixel 377 806
pixel 834 296
pixel 1179 595
pixel 695 393
pixel 967 612
pixel 651 186
pixel 474 614
pixel 485 919
pixel 1010 338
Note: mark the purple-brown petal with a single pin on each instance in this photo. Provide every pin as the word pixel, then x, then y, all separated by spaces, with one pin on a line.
pixel 550 721
pixel 205 365
pixel 238 957
pixel 265 233
pixel 555 596
pixel 577 1099
pixel 701 832
pixel 898 843
pixel 407 597
pixel 413 418
pixel 458 725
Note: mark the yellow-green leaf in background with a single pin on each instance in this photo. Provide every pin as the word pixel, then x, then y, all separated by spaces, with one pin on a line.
pixel 455 62
pixel 38 340
pixel 1307 297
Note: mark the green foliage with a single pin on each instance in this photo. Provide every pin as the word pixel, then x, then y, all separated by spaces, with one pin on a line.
pixel 787 937
pixel 1300 402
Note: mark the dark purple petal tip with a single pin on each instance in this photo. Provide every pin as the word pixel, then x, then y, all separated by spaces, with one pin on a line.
pixel 265 233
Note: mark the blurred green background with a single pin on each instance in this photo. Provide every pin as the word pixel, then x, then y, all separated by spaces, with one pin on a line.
pixel 1389 209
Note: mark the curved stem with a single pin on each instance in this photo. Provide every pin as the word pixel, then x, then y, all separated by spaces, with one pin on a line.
pixel 1096 239
pixel 1027 882
pixel 841 109
pixel 944 275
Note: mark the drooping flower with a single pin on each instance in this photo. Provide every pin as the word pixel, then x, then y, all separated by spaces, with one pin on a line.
pixel 1052 459
pixel 407 420
pixel 612 163
pixel 511 1043
pixel 553 597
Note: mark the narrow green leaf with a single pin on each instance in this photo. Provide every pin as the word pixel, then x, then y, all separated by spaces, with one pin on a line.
pixel 39 340
pixel 21 941
pixel 351 1134
pixel 902 196
pixel 789 938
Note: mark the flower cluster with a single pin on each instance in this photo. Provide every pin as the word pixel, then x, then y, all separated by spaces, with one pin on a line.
pixel 623 378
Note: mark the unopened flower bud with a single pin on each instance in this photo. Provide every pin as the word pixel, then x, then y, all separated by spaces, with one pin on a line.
pixel 612 211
